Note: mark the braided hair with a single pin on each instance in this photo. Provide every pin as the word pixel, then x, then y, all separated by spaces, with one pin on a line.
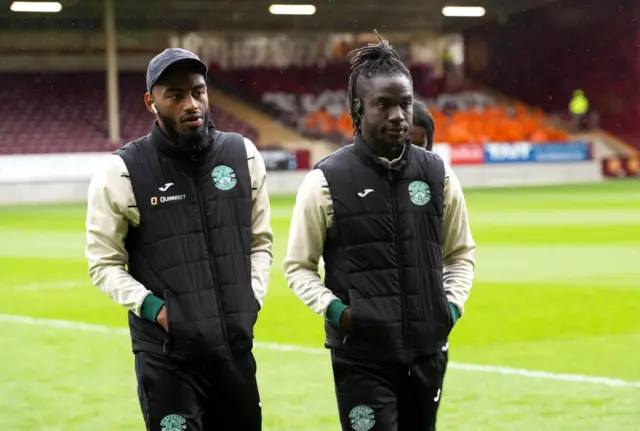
pixel 379 59
pixel 422 118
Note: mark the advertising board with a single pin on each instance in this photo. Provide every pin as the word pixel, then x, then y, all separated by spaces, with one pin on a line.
pixel 466 154
pixel 544 152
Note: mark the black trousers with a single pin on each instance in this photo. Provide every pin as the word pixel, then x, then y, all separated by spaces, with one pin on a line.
pixel 445 357
pixel 176 395
pixel 388 397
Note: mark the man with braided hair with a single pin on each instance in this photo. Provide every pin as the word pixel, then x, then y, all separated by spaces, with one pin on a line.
pixel 390 221
pixel 423 128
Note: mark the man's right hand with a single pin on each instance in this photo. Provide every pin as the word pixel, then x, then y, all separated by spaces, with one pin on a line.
pixel 161 318
pixel 345 320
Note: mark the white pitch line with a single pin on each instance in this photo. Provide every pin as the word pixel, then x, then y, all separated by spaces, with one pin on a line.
pixel 50 285
pixel 66 324
pixel 577 378
pixel 580 378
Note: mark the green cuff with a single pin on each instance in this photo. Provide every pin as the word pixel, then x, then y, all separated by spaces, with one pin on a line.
pixel 151 307
pixel 335 310
pixel 455 313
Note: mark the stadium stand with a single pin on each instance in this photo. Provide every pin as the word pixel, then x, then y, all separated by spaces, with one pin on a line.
pixel 272 133
pixel 313 100
pixel 74 117
pixel 598 55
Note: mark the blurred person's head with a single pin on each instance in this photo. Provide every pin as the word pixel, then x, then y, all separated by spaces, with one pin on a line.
pixel 381 97
pixel 423 127
pixel 177 96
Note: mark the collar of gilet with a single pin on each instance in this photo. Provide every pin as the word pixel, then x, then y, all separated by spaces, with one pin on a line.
pixel 172 148
pixel 364 150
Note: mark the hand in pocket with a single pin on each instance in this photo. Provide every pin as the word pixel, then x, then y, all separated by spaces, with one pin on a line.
pixel 161 318
pixel 345 320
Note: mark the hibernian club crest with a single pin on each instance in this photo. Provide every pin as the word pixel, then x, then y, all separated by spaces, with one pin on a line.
pixel 173 423
pixel 362 418
pixel 419 192
pixel 224 177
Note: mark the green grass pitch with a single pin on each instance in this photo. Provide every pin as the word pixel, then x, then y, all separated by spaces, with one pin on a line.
pixel 556 302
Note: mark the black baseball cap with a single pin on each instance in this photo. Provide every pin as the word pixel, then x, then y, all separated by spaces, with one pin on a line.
pixel 170 56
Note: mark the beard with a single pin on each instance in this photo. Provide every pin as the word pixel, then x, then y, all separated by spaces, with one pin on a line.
pixel 191 140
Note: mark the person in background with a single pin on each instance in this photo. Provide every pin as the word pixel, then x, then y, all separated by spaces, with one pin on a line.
pixel 423 128
pixel 579 107
pixel 422 133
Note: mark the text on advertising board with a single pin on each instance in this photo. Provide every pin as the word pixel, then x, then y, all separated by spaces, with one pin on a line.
pixel 467 154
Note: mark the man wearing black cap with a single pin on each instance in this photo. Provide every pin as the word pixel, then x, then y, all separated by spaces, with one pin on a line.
pixel 178 233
